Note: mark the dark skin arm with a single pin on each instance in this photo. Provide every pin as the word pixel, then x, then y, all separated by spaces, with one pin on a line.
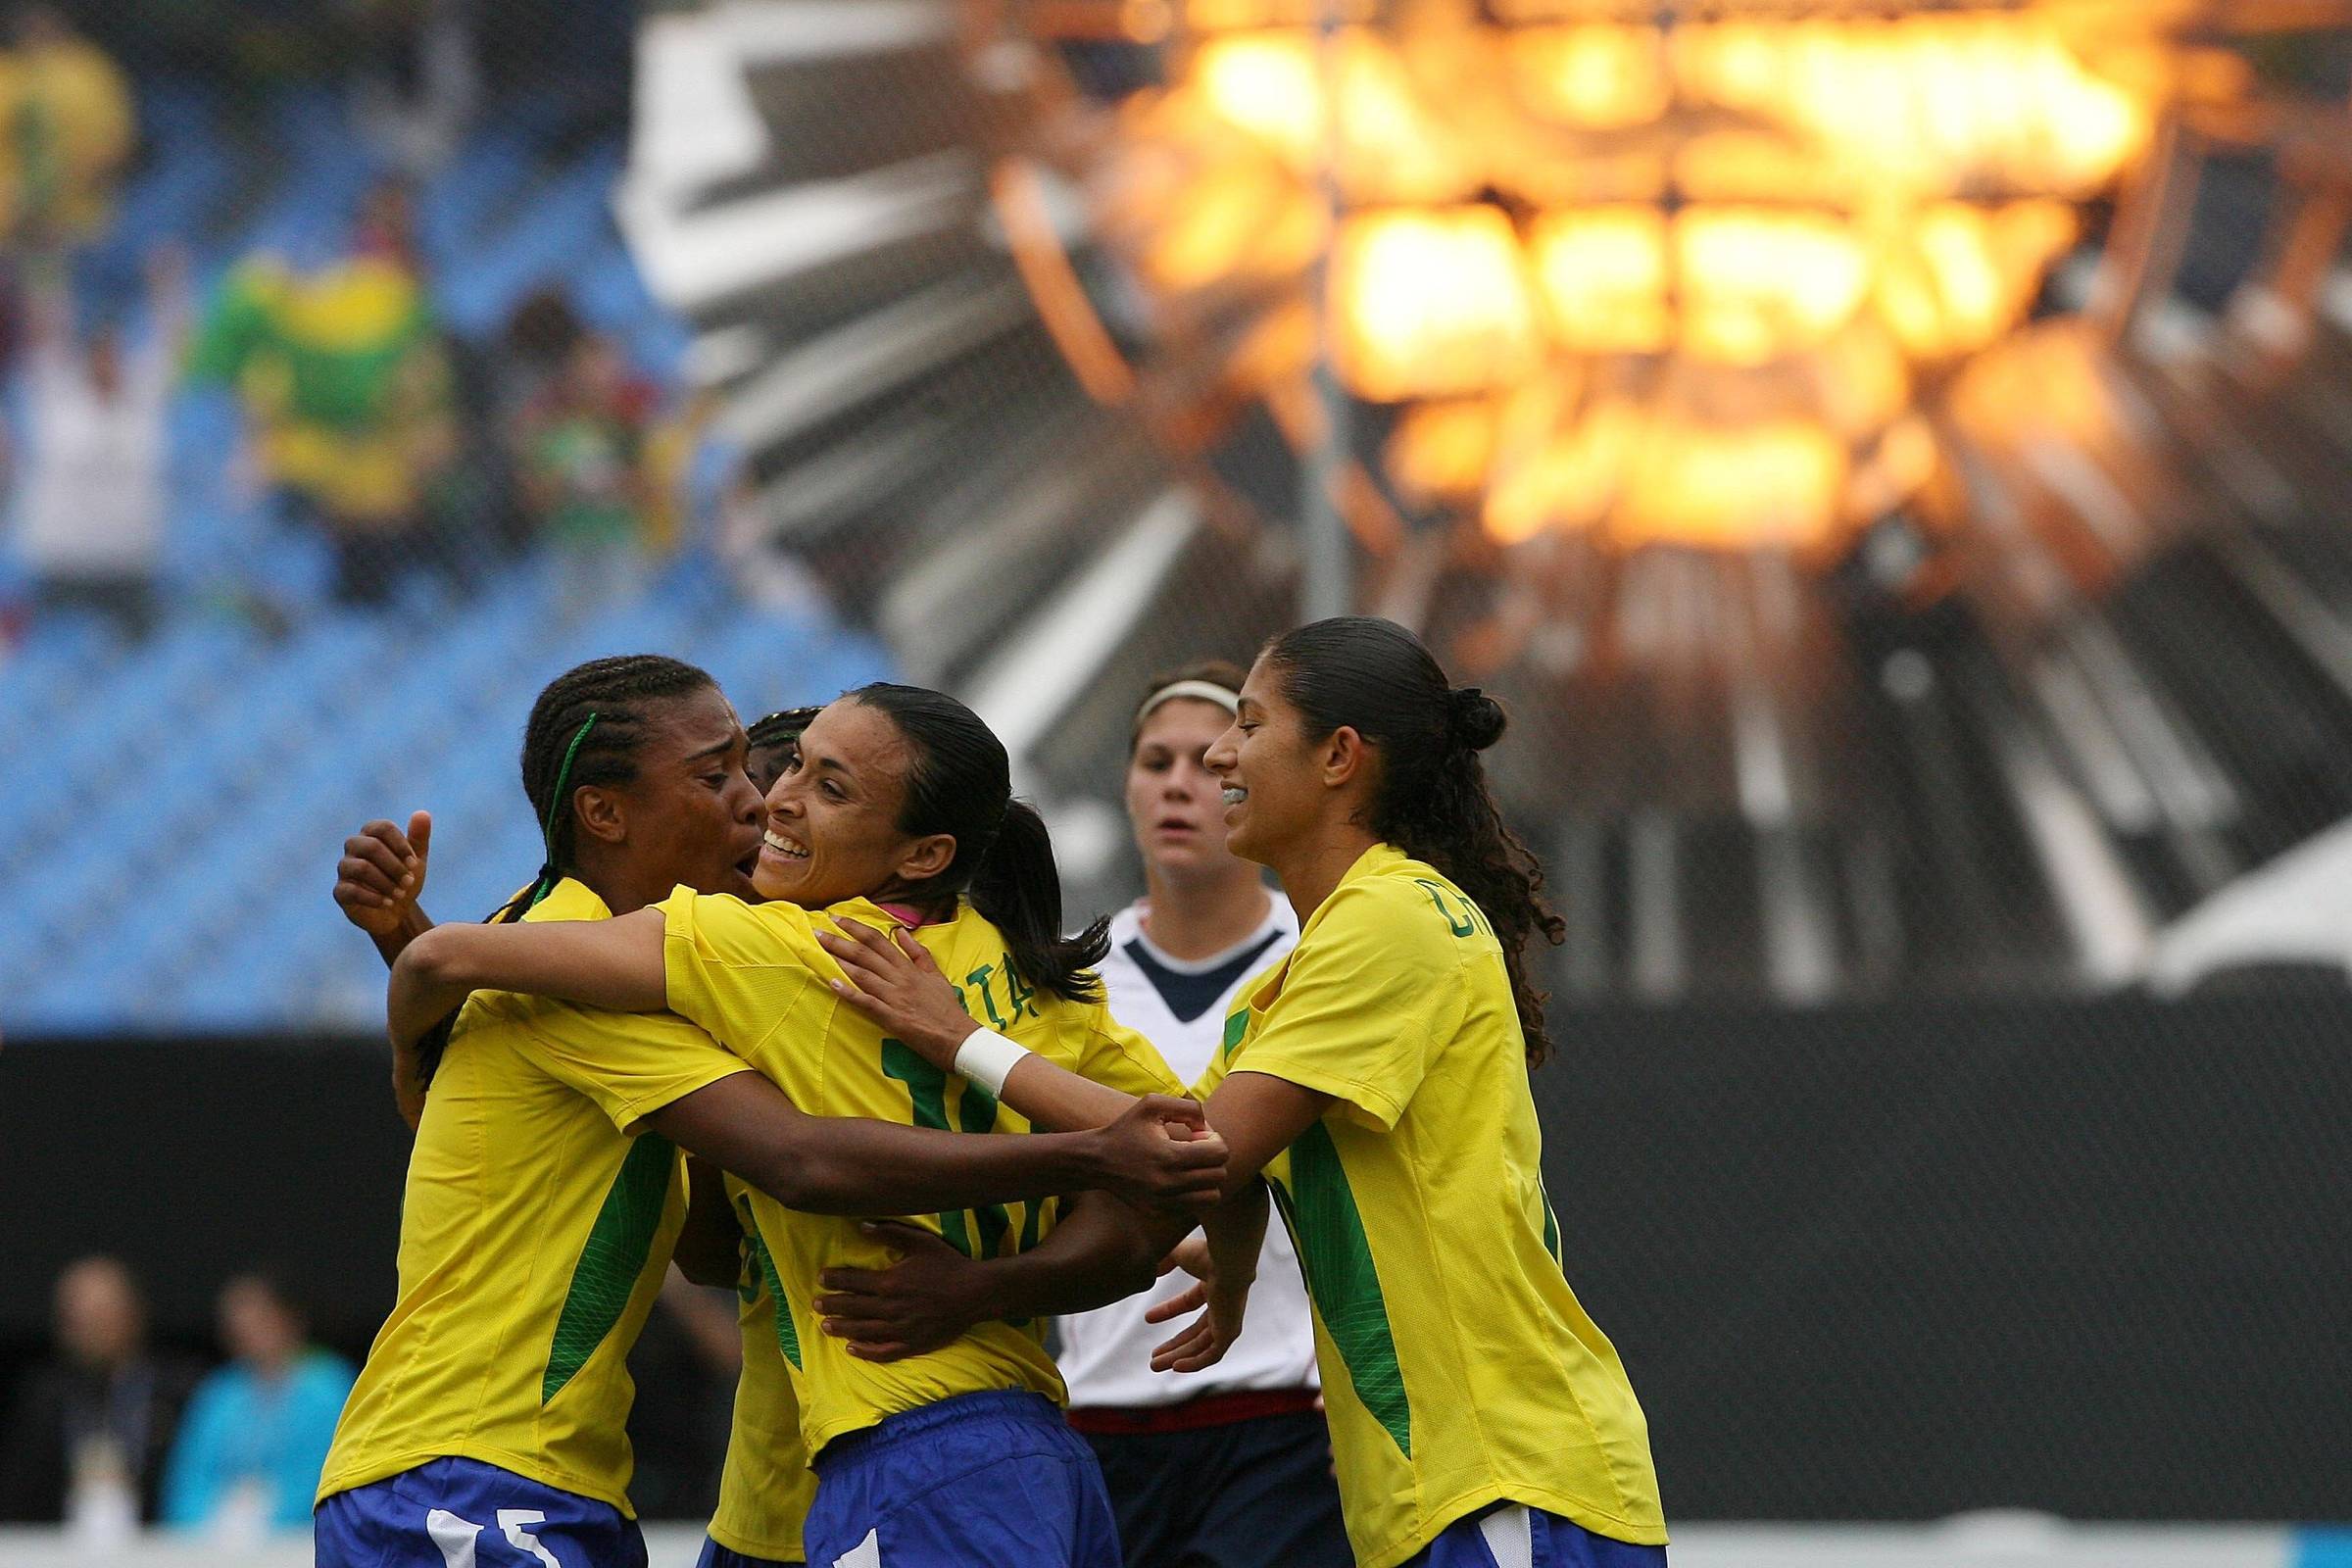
pixel 852 1165
pixel 710 1248
pixel 377 885
pixel 1100 1250
pixel 822 1165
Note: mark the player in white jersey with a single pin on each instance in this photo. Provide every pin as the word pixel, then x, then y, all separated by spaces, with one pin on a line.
pixel 1230 1467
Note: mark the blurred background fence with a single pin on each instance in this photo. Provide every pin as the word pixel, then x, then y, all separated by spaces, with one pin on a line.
pixel 1890 457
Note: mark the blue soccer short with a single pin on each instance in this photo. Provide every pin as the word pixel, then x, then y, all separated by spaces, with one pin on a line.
pixel 715 1555
pixel 463 1513
pixel 1512 1536
pixel 980 1481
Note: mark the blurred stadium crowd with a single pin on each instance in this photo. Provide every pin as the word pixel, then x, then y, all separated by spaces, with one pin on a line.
pixel 116 1429
pixel 326 363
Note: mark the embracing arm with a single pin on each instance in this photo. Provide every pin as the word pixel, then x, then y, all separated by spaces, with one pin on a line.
pixel 612 963
pixel 1100 1250
pixel 709 1249
pixel 377 885
pixel 852 1165
pixel 896 984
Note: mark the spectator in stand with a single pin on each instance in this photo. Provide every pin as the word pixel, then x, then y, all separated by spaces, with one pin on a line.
pixel 257 1432
pixel 91 526
pixel 86 1442
pixel 581 454
pixel 346 384
pixel 70 128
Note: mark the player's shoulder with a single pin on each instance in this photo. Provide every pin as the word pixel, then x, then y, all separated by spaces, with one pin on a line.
pixel 722 916
pixel 1398 906
pixel 568 899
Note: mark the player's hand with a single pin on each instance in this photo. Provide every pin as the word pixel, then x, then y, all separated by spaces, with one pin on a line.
pixel 382 876
pixel 1161 1151
pixel 924 1301
pixel 1221 1302
pixel 893 980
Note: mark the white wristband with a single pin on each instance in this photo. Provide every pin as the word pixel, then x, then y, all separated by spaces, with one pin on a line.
pixel 988 1059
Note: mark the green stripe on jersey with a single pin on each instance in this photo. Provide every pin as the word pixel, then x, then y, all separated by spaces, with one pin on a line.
pixel 788 1337
pixel 611 1260
pixel 1337 1259
pixel 1236 1026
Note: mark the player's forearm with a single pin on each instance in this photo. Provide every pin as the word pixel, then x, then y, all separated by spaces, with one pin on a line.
pixel 1100 1250
pixel 600 963
pixel 425 989
pixel 1235 1230
pixel 390 946
pixel 853 1165
pixel 848 1165
pixel 709 1249
pixel 1053 1097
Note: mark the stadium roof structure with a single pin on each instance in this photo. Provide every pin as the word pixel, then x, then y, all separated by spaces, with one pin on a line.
pixel 1886 453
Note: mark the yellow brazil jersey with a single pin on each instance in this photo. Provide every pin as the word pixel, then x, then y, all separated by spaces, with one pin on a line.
pixel 1457 1366
pixel 534 1233
pixel 756 978
pixel 766 1489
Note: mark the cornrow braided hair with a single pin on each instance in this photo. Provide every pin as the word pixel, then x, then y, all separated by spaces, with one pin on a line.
pixel 585 728
pixel 782 727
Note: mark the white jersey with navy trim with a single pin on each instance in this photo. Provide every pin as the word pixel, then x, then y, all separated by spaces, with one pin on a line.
pixel 1180 1007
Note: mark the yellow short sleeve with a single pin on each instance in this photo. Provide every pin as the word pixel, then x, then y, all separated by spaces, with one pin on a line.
pixel 738 969
pixel 628 1064
pixel 1118 1056
pixel 1367 997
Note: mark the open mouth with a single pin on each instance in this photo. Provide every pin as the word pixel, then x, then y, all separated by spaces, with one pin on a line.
pixel 784 848
pixel 1233 794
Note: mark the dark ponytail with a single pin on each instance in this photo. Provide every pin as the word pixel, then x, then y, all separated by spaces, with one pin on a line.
pixel 1018 888
pixel 1431 797
pixel 960 783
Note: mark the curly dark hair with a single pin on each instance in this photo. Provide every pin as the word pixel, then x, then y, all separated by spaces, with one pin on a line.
pixel 1430 798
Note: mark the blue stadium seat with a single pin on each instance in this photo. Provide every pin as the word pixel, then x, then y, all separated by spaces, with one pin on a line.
pixel 168 843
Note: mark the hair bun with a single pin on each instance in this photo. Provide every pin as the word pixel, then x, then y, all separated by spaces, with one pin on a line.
pixel 1478 719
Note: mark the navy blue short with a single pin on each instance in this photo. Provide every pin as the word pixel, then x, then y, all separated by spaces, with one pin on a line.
pixel 715 1555
pixel 980 1481
pixel 1511 1535
pixel 1253 1494
pixel 463 1513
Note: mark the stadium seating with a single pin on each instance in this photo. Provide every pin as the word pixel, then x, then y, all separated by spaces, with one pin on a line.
pixel 170 810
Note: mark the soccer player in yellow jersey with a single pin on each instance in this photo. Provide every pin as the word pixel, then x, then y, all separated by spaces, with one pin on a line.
pixel 1379 1078
pixel 896 812
pixel 543 1194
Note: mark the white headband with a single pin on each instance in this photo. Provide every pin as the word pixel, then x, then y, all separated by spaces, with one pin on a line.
pixel 1207 691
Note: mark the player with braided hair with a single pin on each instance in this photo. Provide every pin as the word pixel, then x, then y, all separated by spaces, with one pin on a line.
pixel 1379 1079
pixel 545 1193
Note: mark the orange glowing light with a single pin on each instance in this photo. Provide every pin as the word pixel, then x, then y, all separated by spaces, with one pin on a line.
pixel 1430 304
pixel 1684 283
pixel 1604 273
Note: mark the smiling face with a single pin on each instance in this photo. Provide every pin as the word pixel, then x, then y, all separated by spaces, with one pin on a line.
pixel 1274 791
pixel 1173 798
pixel 690 814
pixel 833 817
